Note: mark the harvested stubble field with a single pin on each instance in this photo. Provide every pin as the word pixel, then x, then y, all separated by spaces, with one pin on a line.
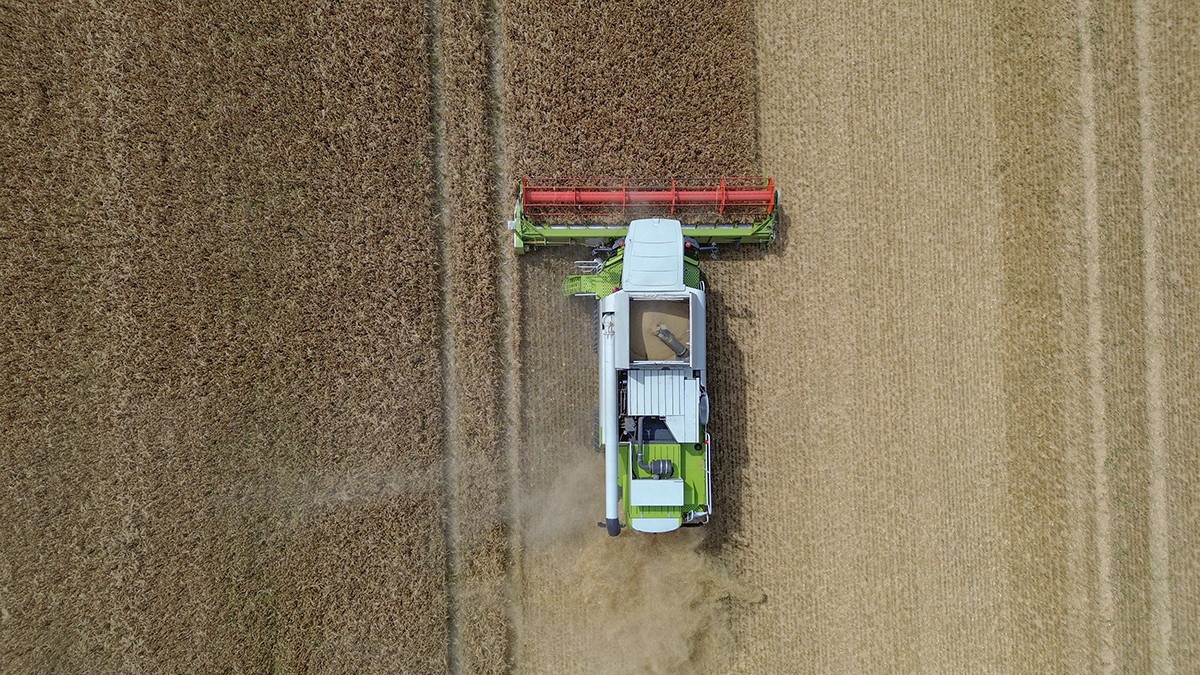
pixel 277 397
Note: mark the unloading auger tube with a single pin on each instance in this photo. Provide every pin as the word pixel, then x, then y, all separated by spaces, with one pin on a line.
pixel 554 211
pixel 608 413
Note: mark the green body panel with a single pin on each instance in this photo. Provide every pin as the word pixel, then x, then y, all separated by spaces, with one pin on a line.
pixel 689 465
pixel 691 273
pixel 608 279
pixel 527 234
pixel 601 284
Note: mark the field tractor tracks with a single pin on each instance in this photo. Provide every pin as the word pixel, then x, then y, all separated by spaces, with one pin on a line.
pixel 1159 526
pixel 475 351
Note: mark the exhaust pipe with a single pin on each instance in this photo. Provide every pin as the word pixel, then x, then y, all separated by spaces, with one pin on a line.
pixel 608 416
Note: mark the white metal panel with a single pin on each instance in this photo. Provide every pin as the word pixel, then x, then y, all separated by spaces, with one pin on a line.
pixel 669 394
pixel 654 525
pixel 656 392
pixel 651 492
pixel 698 334
pixel 618 304
pixel 686 427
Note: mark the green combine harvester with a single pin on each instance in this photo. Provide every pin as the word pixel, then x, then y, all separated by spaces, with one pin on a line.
pixel 647 237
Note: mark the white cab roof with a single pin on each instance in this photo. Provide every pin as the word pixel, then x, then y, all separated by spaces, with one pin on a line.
pixel 653 256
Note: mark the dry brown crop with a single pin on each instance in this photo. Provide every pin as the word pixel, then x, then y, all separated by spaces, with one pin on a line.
pixel 221 387
pixel 647 88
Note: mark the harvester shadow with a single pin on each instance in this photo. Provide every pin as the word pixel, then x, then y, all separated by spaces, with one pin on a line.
pixel 727 385
pixel 783 224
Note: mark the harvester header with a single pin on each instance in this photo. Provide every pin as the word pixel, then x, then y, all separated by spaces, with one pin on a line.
pixel 732 210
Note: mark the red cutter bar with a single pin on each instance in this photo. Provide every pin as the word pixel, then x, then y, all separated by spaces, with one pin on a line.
pixel 741 197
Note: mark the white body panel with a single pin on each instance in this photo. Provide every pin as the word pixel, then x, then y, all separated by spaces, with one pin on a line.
pixel 672 394
pixel 699 345
pixel 663 492
pixel 655 525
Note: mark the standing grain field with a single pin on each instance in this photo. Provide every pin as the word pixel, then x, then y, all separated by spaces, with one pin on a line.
pixel 220 387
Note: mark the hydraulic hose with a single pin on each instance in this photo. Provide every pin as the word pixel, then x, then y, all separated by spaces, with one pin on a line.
pixel 657 468
pixel 640 447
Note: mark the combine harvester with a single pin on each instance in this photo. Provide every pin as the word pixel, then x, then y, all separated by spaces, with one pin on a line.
pixel 654 403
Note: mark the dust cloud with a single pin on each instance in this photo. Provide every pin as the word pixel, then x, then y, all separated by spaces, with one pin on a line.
pixel 635 603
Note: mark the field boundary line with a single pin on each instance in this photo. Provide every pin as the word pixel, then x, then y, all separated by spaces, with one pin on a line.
pixel 449 390
pixel 1160 589
pixel 1106 606
pixel 510 304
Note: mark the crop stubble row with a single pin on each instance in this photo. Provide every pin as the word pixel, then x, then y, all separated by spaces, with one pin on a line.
pixel 1169 60
pixel 946 466
pixel 222 385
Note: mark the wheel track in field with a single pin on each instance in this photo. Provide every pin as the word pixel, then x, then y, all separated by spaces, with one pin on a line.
pixel 1159 657
pixel 449 397
pixel 1158 536
pixel 510 293
pixel 474 300
pixel 1095 350
pixel 1131 588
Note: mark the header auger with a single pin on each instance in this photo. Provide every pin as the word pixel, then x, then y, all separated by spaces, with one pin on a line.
pixel 553 211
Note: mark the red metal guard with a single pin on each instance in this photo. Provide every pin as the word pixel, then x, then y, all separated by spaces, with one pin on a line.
pixel 739 197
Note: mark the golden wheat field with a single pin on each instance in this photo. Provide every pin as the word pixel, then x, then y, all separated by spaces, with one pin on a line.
pixel 277 396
